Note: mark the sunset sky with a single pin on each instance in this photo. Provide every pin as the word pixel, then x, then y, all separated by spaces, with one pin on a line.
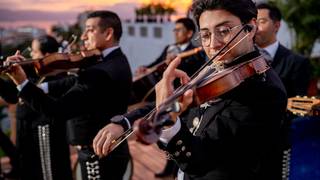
pixel 18 10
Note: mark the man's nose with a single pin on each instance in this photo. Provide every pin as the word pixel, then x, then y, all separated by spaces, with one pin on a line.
pixel 215 43
pixel 259 28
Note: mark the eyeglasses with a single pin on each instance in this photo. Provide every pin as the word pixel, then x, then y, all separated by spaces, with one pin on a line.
pixel 221 33
pixel 176 30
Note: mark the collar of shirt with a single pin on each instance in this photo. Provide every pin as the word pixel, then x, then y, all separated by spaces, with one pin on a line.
pixel 183 46
pixel 107 51
pixel 272 49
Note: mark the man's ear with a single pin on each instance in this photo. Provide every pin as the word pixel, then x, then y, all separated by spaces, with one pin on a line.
pixel 277 25
pixel 190 34
pixel 253 23
pixel 109 34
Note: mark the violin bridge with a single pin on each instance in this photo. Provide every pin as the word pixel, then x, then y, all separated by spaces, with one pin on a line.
pixel 218 66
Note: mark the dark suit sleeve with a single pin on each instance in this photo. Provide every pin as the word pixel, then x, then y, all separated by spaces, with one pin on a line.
pixel 194 153
pixel 161 58
pixel 139 113
pixel 233 136
pixel 8 91
pixel 61 86
pixel 301 76
pixel 80 99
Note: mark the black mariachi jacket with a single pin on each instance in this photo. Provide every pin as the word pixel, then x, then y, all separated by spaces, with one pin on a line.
pixel 28 138
pixel 238 136
pixel 100 92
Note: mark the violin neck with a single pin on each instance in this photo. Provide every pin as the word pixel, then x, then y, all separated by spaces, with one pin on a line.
pixel 27 61
pixel 189 52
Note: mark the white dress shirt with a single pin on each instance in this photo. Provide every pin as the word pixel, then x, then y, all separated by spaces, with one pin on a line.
pixel 272 49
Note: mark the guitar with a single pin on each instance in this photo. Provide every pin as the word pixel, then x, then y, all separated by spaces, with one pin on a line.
pixel 304 106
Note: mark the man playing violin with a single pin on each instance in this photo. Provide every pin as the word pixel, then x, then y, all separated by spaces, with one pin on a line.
pixel 184 31
pixel 235 135
pixel 99 92
pixel 41 143
pixel 147 76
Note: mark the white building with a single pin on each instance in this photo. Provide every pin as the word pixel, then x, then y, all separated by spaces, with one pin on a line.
pixel 144 42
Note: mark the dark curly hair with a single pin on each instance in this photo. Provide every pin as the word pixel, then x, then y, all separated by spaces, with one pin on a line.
pixel 244 9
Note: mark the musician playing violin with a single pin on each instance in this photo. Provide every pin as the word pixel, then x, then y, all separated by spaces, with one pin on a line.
pixel 41 142
pixel 233 136
pixel 99 92
pixel 184 31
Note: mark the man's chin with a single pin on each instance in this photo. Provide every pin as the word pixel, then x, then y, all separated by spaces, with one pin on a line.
pixel 89 48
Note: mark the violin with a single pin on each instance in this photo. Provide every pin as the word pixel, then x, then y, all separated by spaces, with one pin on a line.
pixel 59 62
pixel 212 80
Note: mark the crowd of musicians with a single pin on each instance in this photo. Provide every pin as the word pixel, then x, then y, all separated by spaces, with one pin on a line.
pixel 237 129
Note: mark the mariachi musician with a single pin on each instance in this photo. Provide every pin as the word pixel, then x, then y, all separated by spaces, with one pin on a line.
pixel 183 33
pixel 100 91
pixel 41 141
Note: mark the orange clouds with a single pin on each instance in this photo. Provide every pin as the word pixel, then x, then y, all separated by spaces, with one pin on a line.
pixel 75 5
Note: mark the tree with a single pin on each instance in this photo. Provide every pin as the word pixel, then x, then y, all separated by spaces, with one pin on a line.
pixel 160 10
pixel 139 15
pixel 304 17
pixel 170 11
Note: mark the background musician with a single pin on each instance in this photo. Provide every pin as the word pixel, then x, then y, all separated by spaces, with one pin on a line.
pixel 293 69
pixel 41 142
pixel 183 33
pixel 147 76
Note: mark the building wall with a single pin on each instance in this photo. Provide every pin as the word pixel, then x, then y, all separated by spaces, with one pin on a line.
pixel 143 45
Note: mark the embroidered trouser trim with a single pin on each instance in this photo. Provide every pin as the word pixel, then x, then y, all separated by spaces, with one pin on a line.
pixel 286 164
pixel 45 154
pixel 93 170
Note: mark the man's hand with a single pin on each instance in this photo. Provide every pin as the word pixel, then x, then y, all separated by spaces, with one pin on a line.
pixel 141 70
pixel 15 71
pixel 170 57
pixel 165 87
pixel 103 140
